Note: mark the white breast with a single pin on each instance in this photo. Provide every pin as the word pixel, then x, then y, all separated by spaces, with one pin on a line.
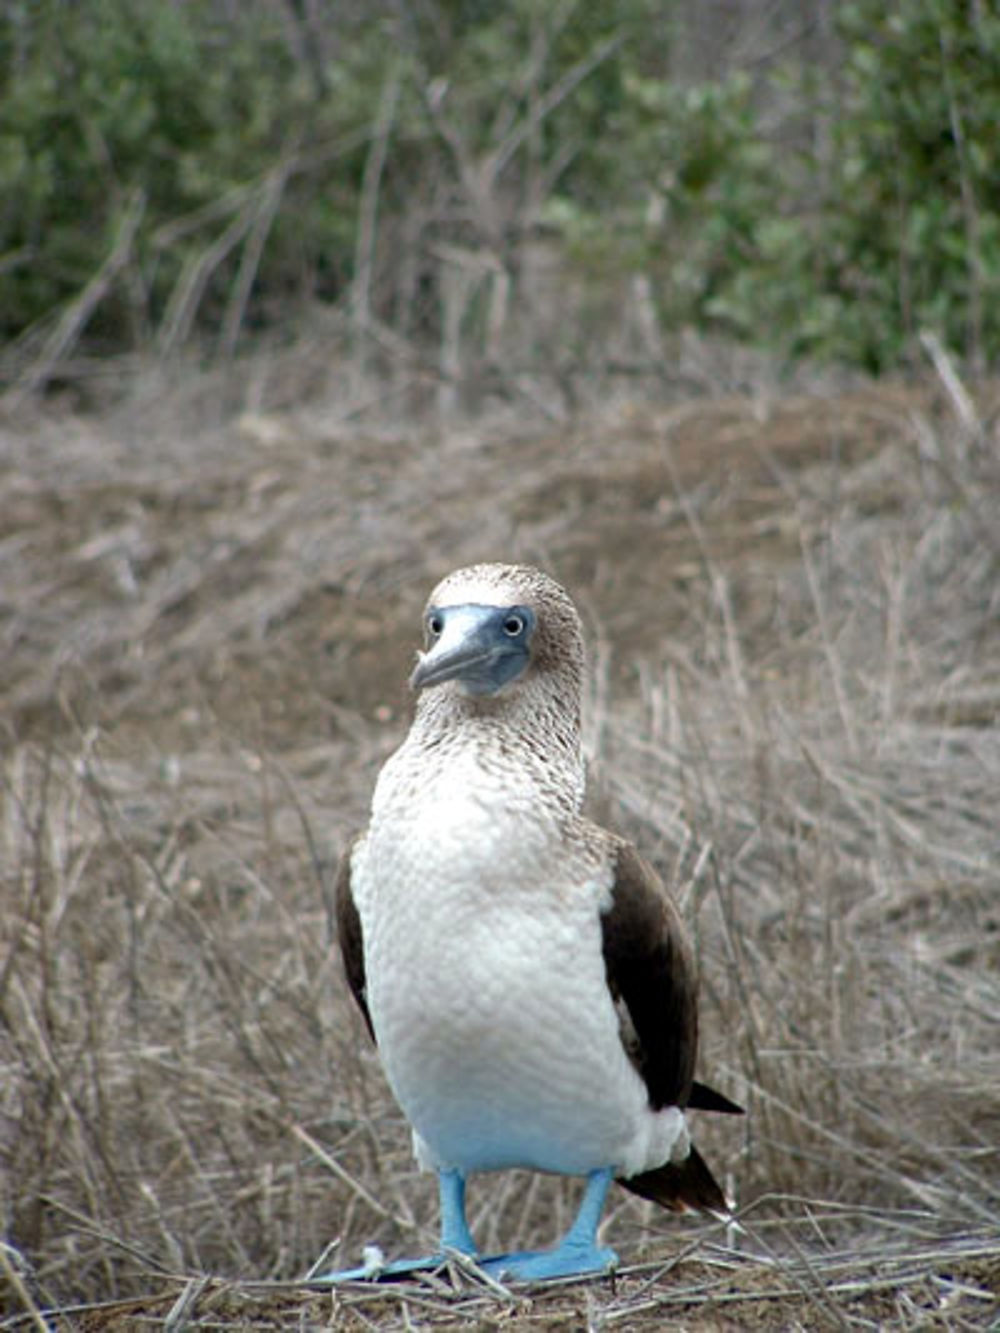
pixel 486 982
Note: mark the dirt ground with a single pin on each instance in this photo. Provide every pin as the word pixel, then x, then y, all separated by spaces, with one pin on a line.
pixel 717 1296
pixel 793 615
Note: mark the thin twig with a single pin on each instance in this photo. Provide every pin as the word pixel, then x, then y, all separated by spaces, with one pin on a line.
pixel 350 1181
pixel 371 181
pixel 76 316
pixel 21 1291
pixel 268 203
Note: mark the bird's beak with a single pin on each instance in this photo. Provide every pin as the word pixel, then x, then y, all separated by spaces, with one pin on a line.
pixel 472 649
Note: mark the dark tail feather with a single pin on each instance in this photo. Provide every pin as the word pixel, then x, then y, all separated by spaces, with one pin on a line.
pixel 704 1098
pixel 680 1186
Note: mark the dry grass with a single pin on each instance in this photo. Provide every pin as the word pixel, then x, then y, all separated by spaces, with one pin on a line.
pixel 794 618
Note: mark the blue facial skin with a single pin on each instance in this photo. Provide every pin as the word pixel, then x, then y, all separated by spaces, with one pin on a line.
pixel 482 647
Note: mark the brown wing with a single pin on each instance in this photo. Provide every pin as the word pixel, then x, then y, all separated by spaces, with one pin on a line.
pixel 651 973
pixel 352 949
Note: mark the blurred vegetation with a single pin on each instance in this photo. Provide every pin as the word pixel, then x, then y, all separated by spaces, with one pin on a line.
pixel 811 178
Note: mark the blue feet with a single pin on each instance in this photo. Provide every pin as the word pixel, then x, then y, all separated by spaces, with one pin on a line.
pixel 455 1235
pixel 564 1261
pixel 377 1270
pixel 577 1254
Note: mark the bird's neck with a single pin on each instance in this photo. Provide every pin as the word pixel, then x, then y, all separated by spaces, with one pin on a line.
pixel 506 742
pixel 522 722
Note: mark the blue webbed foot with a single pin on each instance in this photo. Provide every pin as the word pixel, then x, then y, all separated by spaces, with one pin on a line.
pixel 577 1254
pixel 564 1261
pixel 375 1269
pixel 455 1236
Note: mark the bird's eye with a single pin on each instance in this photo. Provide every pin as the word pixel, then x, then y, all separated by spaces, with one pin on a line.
pixel 435 624
pixel 513 625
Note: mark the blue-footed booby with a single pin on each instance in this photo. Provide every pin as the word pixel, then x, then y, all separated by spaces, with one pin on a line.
pixel 525 976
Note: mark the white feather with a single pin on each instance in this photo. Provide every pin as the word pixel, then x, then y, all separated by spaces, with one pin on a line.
pixel 480 907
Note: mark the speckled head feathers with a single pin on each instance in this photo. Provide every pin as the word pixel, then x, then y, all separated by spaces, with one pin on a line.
pixel 516 711
pixel 558 641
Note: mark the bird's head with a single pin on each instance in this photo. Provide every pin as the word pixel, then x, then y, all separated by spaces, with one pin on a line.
pixel 493 630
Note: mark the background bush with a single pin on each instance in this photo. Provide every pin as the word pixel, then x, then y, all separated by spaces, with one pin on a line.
pixel 809 178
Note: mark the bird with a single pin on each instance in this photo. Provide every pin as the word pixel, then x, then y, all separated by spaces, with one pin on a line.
pixel 525 976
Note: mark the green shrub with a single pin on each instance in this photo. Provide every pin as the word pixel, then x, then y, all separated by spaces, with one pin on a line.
pixel 116 96
pixel 899 231
pixel 246 139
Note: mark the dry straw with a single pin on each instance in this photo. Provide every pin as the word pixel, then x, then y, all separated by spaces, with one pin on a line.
pixel 794 618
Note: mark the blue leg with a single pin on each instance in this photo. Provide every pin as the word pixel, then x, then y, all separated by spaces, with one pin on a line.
pixel 455 1235
pixel 576 1254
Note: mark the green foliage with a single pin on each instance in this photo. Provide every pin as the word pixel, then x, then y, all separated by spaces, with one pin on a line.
pixel 918 231
pixel 899 230
pixel 117 96
pixel 246 132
